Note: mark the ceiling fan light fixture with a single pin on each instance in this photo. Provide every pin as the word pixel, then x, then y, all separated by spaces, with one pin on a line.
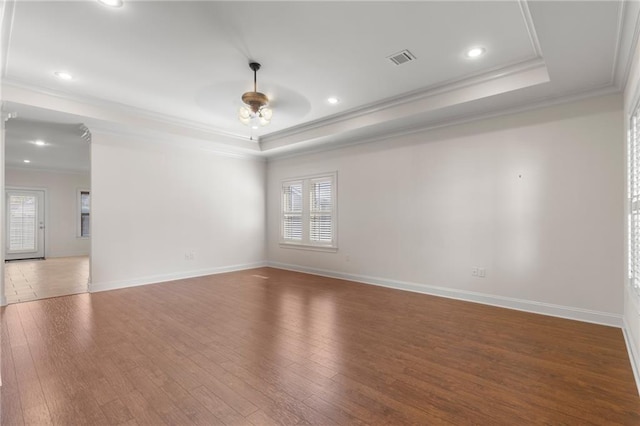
pixel 265 115
pixel 254 112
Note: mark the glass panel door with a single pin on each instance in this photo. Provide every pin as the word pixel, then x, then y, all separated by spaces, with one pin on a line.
pixel 25 224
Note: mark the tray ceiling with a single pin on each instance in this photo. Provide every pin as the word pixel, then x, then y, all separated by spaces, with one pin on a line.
pixel 185 63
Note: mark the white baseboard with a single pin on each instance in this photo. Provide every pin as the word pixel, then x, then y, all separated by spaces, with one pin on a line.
pixel 67 254
pixel 634 357
pixel 568 312
pixel 95 287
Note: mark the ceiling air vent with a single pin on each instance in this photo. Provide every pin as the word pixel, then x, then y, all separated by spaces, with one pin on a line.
pixel 401 57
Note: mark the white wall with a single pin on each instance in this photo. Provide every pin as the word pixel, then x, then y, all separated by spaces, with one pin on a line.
pixel 632 299
pixel 61 206
pixel 536 198
pixel 155 202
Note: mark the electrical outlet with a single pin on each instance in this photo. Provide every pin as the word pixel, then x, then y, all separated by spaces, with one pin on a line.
pixel 482 272
pixel 474 272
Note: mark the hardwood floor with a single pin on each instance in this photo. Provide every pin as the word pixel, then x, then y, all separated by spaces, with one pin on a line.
pixel 38 279
pixel 268 346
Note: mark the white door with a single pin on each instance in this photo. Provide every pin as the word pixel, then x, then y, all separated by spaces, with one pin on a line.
pixel 25 224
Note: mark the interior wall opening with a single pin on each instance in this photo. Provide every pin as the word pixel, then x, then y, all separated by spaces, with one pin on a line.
pixel 47 209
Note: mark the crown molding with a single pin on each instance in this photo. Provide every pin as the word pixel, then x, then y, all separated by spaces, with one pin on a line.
pixel 605 90
pixel 407 98
pixel 6 22
pixel 179 141
pixel 85 133
pixel 118 109
pixel 98 112
pixel 531 29
pixel 618 46
pixel 628 35
pixel 500 80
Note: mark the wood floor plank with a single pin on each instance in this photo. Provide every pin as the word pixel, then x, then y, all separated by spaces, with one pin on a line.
pixel 214 376
pixel 266 405
pixel 116 412
pixel 116 377
pixel 276 402
pixel 37 415
pixel 268 346
pixel 157 398
pixel 197 412
pixel 32 398
pixel 141 410
pixel 10 405
pixel 218 407
pixel 332 411
pixel 392 410
pixel 260 418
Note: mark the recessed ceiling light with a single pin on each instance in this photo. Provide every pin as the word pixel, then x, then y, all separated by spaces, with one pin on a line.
pixel 27 161
pixel 475 52
pixel 63 75
pixel 111 3
pixel 40 143
pixel 333 100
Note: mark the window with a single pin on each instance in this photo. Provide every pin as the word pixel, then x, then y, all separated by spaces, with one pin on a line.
pixel 84 217
pixel 634 198
pixel 309 212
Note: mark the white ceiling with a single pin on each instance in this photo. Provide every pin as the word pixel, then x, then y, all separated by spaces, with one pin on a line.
pixel 65 148
pixel 185 64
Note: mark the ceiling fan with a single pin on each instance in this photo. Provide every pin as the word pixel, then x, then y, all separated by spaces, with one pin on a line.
pixel 255 111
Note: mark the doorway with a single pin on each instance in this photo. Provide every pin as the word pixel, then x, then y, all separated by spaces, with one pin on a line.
pixel 47 209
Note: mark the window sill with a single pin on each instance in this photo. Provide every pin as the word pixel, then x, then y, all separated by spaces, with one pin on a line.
pixel 308 247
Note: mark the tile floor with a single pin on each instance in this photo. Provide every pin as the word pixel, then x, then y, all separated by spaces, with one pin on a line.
pixel 38 279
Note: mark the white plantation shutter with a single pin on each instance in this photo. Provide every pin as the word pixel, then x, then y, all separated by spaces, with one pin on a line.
pixel 634 198
pixel 292 211
pixel 309 212
pixel 321 210
pixel 22 222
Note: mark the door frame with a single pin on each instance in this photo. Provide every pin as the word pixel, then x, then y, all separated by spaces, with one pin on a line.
pixel 45 218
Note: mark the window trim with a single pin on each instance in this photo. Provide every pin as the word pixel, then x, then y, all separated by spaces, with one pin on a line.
pixel 306 243
pixel 79 235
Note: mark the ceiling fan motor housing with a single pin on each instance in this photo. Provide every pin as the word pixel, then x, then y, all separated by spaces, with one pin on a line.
pixel 255 100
